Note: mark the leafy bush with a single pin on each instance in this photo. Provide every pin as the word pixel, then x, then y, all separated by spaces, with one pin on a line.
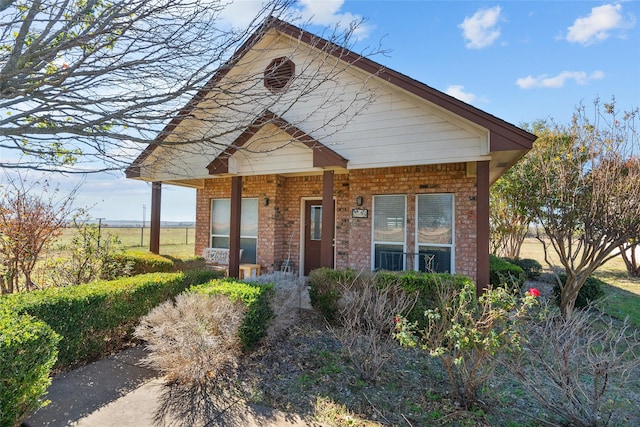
pixel 503 273
pixel 89 255
pixel 427 286
pixel 532 268
pixel 195 339
pixel 96 318
pixel 27 353
pixel 256 298
pixel 143 262
pixel 589 293
pixel 465 333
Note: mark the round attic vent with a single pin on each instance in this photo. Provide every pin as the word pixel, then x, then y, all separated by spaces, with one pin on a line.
pixel 278 74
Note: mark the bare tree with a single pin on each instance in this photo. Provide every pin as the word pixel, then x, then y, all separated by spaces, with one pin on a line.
pixel 81 82
pixel 581 184
pixel 31 215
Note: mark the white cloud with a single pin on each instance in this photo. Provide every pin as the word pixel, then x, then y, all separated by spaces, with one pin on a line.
pixel 327 13
pixel 558 81
pixel 481 29
pixel 239 14
pixel 457 91
pixel 598 25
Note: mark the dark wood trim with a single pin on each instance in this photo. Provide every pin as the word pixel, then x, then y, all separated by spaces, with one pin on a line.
pixel 328 220
pixel 156 203
pixel 503 135
pixel 322 156
pixel 482 218
pixel 234 222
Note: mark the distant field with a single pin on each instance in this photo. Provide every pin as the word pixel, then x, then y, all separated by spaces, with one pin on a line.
pixel 174 241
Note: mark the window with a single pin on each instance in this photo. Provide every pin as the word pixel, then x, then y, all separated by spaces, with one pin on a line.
pixel 220 227
pixel 315 226
pixel 278 74
pixel 389 224
pixel 434 232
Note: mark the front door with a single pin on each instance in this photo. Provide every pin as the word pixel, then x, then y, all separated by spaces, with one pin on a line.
pixel 313 235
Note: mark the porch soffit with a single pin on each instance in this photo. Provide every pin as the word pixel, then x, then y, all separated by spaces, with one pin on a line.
pixel 323 157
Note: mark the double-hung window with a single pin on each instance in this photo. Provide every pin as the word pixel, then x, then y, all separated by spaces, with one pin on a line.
pixel 220 227
pixel 434 232
pixel 389 232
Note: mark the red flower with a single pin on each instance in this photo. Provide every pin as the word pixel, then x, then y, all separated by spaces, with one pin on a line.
pixel 396 319
pixel 533 292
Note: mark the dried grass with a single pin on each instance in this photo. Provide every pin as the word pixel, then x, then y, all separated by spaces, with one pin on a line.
pixel 578 367
pixel 194 340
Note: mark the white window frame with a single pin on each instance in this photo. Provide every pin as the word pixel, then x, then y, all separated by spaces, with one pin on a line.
pixel 212 236
pixel 452 245
pixel 374 242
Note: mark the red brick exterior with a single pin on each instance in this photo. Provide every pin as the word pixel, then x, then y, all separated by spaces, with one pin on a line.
pixel 279 220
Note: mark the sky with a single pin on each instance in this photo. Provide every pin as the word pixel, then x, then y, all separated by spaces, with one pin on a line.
pixel 518 60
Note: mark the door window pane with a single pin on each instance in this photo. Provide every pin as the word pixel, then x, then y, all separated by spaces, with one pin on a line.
pixel 315 226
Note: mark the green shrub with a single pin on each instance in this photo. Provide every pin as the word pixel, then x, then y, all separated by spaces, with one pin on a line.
pixel 143 262
pixel 590 292
pixel 325 289
pixel 27 353
pixel 532 268
pixel 427 285
pixel 95 318
pixel 326 286
pixel 503 273
pixel 255 296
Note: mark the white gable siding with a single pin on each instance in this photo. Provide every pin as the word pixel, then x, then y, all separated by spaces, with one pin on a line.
pixel 396 129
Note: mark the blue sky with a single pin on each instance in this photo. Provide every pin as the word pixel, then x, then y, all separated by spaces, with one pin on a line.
pixel 518 60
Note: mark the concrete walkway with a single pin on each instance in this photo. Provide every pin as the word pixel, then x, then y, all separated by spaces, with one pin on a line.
pixel 118 392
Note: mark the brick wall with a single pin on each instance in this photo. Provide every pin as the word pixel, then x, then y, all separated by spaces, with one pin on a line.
pixel 279 221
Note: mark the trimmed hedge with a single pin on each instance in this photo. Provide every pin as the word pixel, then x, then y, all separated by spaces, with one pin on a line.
pixel 28 350
pixel 96 318
pixel 325 288
pixel 503 273
pixel 590 292
pixel 532 268
pixel 324 291
pixel 143 262
pixel 255 296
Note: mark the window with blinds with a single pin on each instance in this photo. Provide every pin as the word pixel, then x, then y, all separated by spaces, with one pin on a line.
pixel 220 227
pixel 435 232
pixel 389 232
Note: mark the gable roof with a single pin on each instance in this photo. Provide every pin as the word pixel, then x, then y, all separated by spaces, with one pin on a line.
pixel 504 136
pixel 322 155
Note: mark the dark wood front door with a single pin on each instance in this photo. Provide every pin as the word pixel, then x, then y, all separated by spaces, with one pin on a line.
pixel 313 234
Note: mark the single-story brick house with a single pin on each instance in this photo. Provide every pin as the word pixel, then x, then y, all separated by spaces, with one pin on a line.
pixel 397 177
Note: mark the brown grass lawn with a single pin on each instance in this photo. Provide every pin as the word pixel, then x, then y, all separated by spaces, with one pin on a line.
pixel 176 242
pixel 623 292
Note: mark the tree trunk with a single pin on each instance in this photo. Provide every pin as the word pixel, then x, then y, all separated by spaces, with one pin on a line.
pixel 631 259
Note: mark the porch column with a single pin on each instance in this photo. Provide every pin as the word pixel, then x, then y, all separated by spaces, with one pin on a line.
pixel 328 220
pixel 156 193
pixel 234 222
pixel 482 200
